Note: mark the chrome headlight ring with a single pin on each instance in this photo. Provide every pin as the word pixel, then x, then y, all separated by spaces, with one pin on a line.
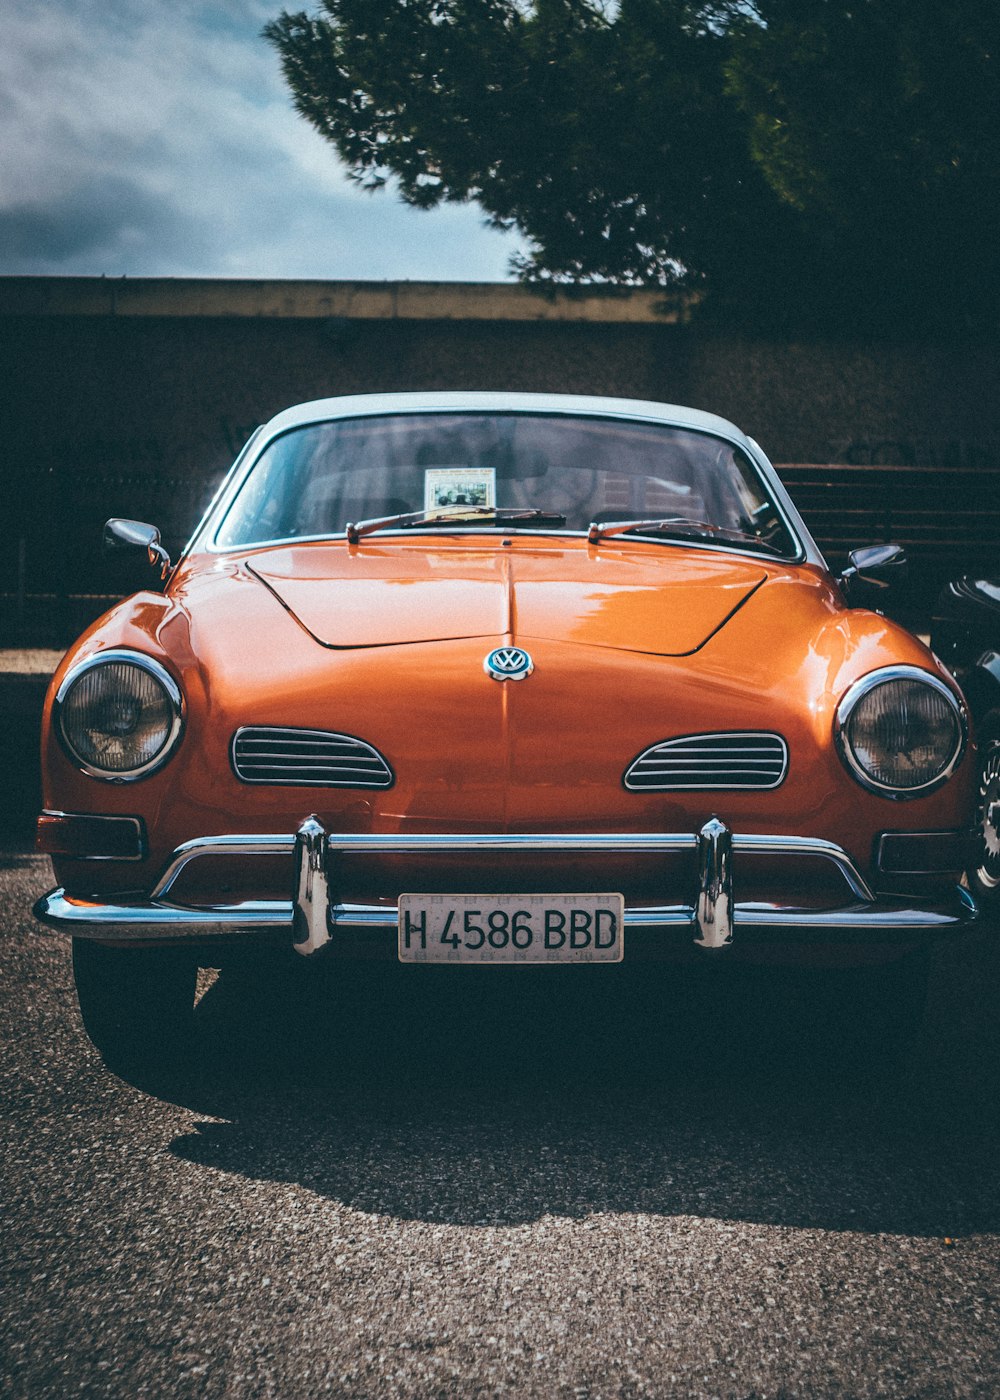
pixel 167 684
pixel 858 691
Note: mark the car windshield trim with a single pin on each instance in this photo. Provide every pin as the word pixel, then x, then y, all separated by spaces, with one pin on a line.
pixel 246 464
pixel 751 548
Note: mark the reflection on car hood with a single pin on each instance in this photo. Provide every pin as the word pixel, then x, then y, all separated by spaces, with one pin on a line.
pixel 645 598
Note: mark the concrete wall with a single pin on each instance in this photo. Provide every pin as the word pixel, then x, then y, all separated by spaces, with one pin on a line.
pixel 155 374
pixel 132 396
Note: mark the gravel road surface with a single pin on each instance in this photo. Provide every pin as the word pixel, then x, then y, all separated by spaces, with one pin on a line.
pixel 403 1184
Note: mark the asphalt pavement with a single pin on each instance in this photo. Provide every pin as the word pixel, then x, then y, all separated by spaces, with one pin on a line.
pixel 394 1183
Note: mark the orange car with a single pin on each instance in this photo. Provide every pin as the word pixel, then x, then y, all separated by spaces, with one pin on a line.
pixel 496 678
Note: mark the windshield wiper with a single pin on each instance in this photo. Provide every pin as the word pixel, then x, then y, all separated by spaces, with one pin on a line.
pixel 679 526
pixel 416 519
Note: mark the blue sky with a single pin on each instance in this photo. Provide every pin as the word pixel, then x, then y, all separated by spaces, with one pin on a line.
pixel 157 138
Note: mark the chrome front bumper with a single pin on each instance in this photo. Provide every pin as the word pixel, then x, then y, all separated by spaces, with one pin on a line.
pixel 313 916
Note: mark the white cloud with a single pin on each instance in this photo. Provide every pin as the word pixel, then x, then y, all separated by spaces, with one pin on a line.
pixel 160 140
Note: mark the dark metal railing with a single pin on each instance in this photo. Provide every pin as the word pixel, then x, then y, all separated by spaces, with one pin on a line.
pixel 946 518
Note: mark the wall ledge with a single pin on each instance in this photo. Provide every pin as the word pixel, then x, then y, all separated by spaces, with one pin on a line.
pixel 361 301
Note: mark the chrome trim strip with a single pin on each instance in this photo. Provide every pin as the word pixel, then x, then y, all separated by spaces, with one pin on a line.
pixel 809 846
pixel 86 919
pixel 219 845
pixel 142 662
pixel 858 691
pixel 640 843
pixel 83 918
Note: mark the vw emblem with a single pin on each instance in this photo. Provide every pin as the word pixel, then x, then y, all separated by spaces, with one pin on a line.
pixel 508 664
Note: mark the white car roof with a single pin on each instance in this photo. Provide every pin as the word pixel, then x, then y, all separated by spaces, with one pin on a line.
pixel 360 405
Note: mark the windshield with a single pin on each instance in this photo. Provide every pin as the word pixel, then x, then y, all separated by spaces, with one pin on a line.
pixel 573 472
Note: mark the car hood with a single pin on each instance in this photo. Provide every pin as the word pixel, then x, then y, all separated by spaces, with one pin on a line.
pixel 656 599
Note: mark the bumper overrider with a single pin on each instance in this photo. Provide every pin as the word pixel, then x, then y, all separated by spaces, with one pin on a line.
pixel 314 916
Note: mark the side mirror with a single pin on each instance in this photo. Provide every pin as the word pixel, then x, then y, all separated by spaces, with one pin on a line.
pixel 129 536
pixel 872 572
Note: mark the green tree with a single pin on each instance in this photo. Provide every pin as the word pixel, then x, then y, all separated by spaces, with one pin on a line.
pixel 879 121
pixel 774 157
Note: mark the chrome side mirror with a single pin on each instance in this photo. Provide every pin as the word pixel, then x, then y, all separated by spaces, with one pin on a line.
pixel 872 572
pixel 128 536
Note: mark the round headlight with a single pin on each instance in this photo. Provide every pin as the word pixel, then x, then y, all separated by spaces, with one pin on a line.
pixel 119 715
pixel 900 731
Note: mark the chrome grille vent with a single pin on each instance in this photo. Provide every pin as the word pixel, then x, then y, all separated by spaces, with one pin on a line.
pixel 308 758
pixel 696 761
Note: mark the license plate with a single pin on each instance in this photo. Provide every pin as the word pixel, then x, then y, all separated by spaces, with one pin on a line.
pixel 511 928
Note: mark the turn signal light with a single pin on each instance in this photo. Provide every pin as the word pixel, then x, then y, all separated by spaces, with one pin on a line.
pixel 86 837
pixel 925 852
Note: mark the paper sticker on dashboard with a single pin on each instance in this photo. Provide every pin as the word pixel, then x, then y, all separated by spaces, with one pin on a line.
pixel 446 487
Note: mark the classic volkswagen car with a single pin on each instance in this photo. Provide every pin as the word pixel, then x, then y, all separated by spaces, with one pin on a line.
pixel 496 679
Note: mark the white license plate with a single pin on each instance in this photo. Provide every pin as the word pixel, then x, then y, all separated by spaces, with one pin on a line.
pixel 511 928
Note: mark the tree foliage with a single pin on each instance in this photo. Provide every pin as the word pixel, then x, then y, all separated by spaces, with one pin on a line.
pixel 811 159
pixel 880 122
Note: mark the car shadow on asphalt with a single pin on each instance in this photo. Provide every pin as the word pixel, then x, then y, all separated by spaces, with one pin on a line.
pixel 744 1095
